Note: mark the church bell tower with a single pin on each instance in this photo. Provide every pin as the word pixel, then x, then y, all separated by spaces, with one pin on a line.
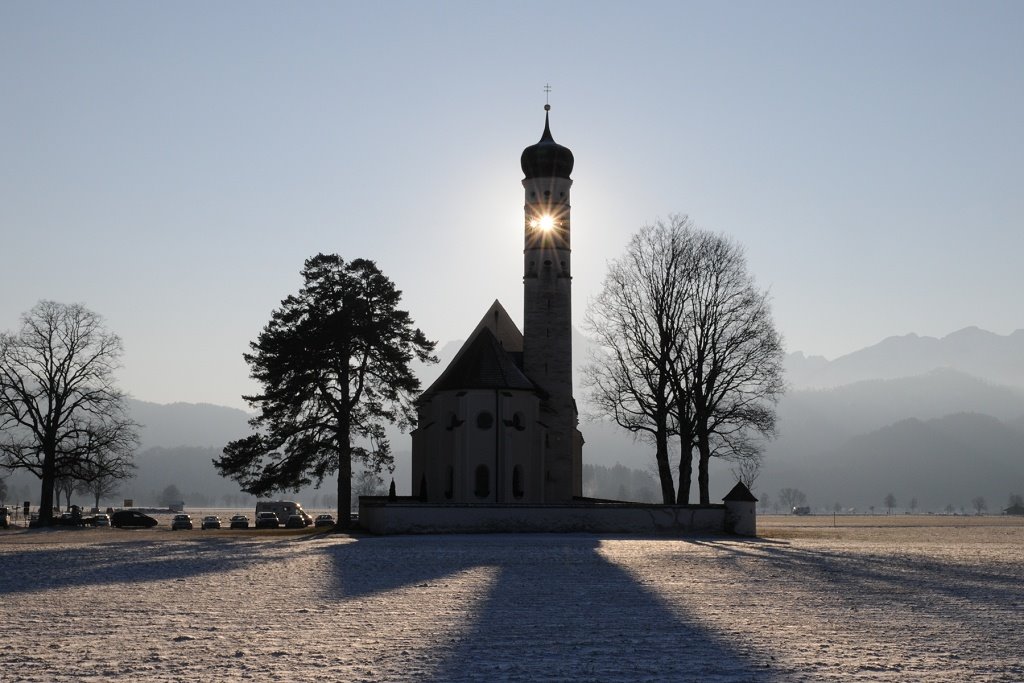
pixel 547 303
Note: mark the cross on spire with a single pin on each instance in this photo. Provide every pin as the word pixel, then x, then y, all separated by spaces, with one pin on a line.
pixel 547 91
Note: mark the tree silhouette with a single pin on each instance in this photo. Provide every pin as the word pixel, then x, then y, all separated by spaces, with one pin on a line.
pixel 890 503
pixel 333 364
pixel 979 504
pixel 686 347
pixel 60 408
pixel 792 498
pixel 169 496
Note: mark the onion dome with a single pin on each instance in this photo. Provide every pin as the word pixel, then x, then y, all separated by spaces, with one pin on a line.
pixel 547 159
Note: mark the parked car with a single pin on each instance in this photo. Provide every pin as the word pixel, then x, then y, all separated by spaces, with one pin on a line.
pixel 267 520
pixel 101 520
pixel 239 522
pixel 132 518
pixel 181 521
pixel 295 522
pixel 324 520
pixel 210 522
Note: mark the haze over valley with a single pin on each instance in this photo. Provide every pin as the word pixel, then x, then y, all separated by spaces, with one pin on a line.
pixel 947 429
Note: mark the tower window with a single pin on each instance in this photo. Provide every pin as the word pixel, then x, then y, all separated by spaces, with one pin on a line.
pixel 547 193
pixel 517 482
pixel 482 479
pixel 484 420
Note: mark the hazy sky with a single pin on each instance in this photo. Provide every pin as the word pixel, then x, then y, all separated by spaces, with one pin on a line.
pixel 171 165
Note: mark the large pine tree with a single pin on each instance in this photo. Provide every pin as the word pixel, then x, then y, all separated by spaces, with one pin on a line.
pixel 334 364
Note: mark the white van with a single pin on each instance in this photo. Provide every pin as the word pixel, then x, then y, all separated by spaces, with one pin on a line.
pixel 283 509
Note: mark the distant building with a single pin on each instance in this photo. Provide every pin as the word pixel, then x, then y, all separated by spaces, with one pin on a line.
pixel 500 423
pixel 1014 510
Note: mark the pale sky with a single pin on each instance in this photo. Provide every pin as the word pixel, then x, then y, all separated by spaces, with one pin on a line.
pixel 171 165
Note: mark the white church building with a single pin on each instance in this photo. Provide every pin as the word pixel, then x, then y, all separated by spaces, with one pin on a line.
pixel 497 445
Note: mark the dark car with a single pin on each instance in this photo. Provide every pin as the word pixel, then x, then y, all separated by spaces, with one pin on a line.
pixel 181 521
pixel 239 522
pixel 324 520
pixel 267 520
pixel 130 518
pixel 295 522
pixel 210 522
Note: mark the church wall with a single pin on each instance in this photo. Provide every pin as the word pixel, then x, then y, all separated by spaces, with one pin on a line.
pixel 471 442
pixel 379 516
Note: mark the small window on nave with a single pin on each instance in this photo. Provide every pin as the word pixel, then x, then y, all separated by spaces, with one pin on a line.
pixel 482 489
pixel 517 482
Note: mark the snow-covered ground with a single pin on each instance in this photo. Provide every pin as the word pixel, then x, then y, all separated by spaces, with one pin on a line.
pixel 874 599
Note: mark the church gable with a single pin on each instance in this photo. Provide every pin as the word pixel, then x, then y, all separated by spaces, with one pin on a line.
pixel 481 363
pixel 490 359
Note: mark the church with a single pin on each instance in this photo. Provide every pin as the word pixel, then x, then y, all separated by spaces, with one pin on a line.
pixel 497 446
pixel 499 425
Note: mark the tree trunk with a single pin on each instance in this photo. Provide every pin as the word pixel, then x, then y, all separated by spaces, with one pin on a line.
pixel 345 484
pixel 685 468
pixel 704 453
pixel 664 468
pixel 49 479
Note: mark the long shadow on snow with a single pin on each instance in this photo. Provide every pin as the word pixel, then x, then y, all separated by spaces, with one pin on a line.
pixel 118 562
pixel 892 578
pixel 557 610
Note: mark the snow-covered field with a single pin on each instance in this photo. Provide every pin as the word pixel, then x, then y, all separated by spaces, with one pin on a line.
pixel 873 599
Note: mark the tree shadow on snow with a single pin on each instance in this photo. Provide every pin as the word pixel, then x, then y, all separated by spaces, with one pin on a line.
pixel 894 579
pixel 557 609
pixel 83 565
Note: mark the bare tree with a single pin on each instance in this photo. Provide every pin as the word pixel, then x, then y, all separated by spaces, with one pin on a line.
pixel 791 498
pixel 686 347
pixel 169 496
pixel 366 482
pixel 746 470
pixel 732 355
pixel 636 321
pixel 57 394
pixel 913 504
pixel 112 452
pixel 890 503
pixel 1015 500
pixel 63 487
pixel 979 504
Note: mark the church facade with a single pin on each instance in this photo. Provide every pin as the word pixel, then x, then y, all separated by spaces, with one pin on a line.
pixel 500 424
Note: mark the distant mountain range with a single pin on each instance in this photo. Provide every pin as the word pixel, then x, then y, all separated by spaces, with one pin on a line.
pixel 992 357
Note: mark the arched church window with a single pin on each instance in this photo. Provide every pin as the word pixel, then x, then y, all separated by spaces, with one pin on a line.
pixel 517 482
pixel 482 481
pixel 484 420
pixel 518 422
pixel 449 489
